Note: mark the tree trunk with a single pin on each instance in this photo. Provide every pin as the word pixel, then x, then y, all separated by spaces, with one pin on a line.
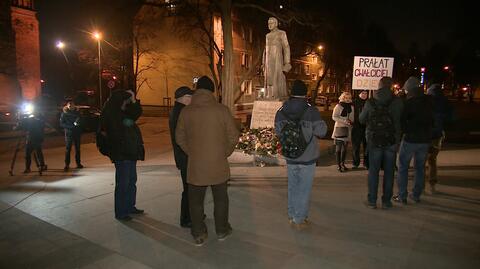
pixel 228 72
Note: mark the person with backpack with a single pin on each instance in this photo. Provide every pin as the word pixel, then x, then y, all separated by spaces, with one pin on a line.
pixel 125 145
pixel 343 115
pixel 299 126
pixel 417 122
pixel 442 114
pixel 70 122
pixel 382 117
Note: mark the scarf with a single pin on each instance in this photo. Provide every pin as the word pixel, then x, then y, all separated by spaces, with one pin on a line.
pixel 347 109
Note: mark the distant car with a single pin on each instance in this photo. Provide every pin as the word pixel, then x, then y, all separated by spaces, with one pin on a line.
pixel 89 117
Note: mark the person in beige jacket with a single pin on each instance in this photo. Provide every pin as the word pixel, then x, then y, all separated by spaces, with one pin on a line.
pixel 206 131
pixel 343 115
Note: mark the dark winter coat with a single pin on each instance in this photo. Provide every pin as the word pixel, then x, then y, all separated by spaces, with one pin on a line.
pixel 384 96
pixel 313 127
pixel 417 118
pixel 442 110
pixel 181 157
pixel 68 118
pixel 123 135
pixel 358 130
pixel 34 127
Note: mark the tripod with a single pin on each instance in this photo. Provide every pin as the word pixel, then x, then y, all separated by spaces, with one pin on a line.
pixel 18 147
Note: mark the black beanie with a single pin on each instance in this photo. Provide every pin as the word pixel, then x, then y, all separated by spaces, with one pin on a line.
pixel 299 88
pixel 205 83
pixel 184 90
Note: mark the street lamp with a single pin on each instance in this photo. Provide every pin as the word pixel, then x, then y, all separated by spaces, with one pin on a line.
pixel 320 47
pixel 98 36
pixel 60 45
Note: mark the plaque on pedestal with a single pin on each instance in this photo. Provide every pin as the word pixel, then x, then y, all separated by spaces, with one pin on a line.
pixel 263 114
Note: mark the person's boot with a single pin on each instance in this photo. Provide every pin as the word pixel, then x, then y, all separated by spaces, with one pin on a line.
pixel 343 155
pixel 339 162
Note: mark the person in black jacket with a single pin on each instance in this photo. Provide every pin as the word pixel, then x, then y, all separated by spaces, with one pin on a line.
pixel 119 115
pixel 442 114
pixel 33 125
pixel 183 97
pixel 358 132
pixel 417 121
pixel 70 122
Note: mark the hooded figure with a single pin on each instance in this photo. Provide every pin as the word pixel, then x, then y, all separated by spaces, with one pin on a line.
pixel 417 122
pixel 119 115
pixel 384 105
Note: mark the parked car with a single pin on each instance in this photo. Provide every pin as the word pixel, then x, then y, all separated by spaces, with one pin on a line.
pixel 89 117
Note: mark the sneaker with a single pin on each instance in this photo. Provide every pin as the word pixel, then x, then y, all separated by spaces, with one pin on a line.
pixel 372 205
pixel 222 237
pixel 200 240
pixel 137 211
pixel 415 199
pixel 80 166
pixel 124 218
pixel 397 199
pixel 387 205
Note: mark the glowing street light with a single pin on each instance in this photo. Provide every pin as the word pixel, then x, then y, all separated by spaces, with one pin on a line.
pixel 60 45
pixel 320 47
pixel 446 68
pixel 98 36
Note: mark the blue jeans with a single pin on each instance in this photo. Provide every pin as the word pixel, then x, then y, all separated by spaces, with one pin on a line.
pixel 378 158
pixel 125 187
pixel 300 180
pixel 408 150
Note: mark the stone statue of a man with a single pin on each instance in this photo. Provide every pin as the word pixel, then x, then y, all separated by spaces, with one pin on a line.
pixel 276 61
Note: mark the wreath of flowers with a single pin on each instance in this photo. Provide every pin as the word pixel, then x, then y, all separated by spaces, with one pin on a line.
pixel 261 141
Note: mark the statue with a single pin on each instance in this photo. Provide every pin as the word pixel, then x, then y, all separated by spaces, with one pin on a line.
pixel 276 61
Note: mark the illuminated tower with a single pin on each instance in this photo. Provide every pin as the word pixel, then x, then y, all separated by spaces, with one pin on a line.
pixel 27 47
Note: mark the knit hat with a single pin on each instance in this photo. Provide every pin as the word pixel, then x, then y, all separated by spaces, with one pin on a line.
pixel 205 83
pixel 184 90
pixel 299 88
pixel 411 83
pixel 412 87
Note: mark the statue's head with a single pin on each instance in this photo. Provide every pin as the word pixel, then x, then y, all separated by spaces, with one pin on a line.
pixel 272 23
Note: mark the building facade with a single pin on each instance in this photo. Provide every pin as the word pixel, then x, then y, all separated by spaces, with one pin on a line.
pixel 20 48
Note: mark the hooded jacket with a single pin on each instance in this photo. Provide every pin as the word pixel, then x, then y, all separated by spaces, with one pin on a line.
pixel 417 118
pixel 384 96
pixel 123 135
pixel 313 127
pixel 207 133
pixel 442 110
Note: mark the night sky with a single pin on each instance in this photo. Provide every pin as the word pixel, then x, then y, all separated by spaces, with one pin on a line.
pixel 423 22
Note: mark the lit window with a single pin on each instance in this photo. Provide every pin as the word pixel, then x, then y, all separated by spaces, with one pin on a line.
pixel 245 60
pixel 246 87
pixel 307 69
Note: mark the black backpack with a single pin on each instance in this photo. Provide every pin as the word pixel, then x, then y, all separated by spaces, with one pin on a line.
pixel 381 129
pixel 292 140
